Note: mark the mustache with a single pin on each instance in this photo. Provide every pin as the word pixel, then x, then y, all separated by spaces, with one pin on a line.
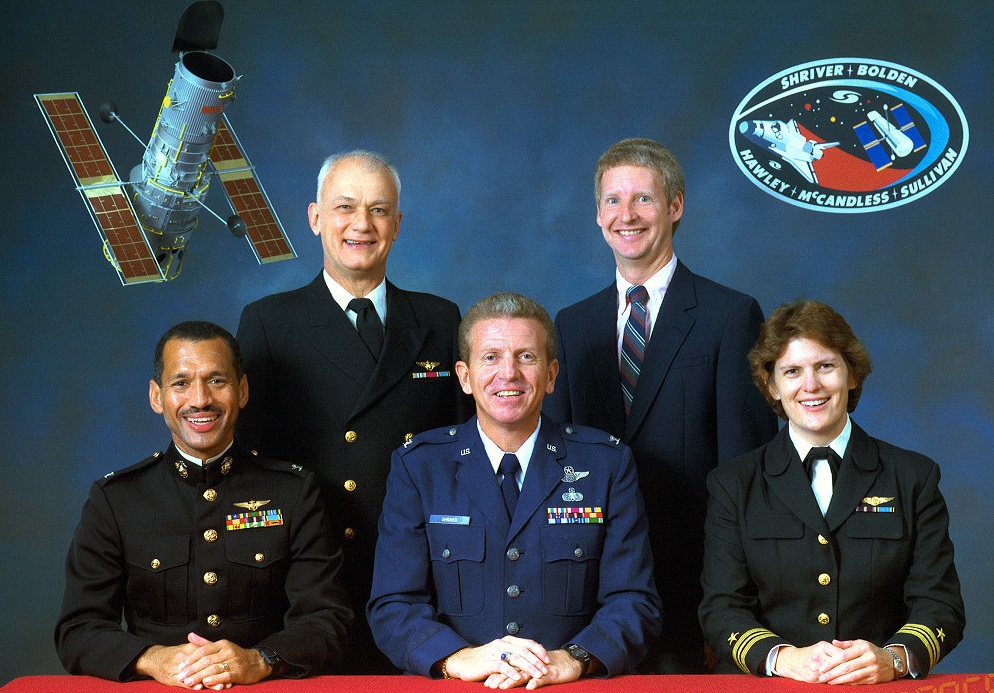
pixel 213 409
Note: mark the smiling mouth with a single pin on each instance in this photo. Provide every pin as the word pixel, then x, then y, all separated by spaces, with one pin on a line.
pixel 814 403
pixel 628 233
pixel 349 241
pixel 509 393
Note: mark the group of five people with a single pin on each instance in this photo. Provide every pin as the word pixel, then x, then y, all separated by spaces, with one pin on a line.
pixel 506 499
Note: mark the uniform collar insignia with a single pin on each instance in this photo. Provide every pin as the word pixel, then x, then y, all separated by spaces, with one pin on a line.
pixel 252 505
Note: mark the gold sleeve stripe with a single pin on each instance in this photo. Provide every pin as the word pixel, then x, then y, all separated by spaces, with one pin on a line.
pixel 745 643
pixel 925 634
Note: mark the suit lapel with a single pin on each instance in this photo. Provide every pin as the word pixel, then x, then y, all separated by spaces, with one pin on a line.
pixel 858 472
pixel 333 335
pixel 402 342
pixel 603 357
pixel 673 324
pixel 786 477
pixel 543 476
pixel 475 477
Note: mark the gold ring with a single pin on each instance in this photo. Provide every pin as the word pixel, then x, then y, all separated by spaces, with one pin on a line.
pixel 224 666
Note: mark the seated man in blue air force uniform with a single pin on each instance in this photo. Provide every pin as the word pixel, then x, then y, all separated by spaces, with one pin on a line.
pixel 512 549
pixel 827 552
pixel 221 562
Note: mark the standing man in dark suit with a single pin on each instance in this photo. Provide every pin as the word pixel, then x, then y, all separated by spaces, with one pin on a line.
pixel 348 368
pixel 513 549
pixel 658 358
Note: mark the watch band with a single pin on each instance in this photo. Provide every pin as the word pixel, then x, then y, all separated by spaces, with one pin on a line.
pixel 274 661
pixel 580 655
pixel 898 664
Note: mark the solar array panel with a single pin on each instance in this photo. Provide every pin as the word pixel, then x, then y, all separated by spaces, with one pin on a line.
pixel 265 232
pixel 125 245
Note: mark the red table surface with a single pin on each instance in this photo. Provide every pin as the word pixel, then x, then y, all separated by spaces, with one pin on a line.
pixel 937 683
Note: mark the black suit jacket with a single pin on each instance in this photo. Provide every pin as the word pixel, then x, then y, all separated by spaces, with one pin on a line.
pixel 151 534
pixel 695 406
pixel 311 401
pixel 878 566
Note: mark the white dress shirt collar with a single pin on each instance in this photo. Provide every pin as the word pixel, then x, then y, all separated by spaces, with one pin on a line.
pixel 524 453
pixel 342 297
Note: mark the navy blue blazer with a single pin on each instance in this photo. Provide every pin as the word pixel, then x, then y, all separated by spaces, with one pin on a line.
pixel 452 572
pixel 695 406
pixel 878 566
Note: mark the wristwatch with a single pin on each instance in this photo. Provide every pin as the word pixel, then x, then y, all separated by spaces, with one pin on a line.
pixel 898 664
pixel 275 662
pixel 580 655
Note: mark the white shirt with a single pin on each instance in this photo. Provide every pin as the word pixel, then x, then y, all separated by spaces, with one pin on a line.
pixel 656 285
pixel 821 478
pixel 342 297
pixel 523 453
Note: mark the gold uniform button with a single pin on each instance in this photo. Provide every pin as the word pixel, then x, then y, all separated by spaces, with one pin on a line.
pixel 351 436
pixel 822 540
pixel 213 620
pixel 210 495
pixel 349 533
pixel 350 485
pixel 260 557
pixel 210 536
pixel 824 579
pixel 155 564
pixel 210 578
pixel 823 619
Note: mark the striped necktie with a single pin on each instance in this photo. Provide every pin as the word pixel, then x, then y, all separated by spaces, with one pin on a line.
pixel 633 344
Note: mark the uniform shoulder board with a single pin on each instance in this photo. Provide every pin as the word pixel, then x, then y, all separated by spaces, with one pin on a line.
pixel 586 434
pixel 436 436
pixel 138 466
pixel 276 464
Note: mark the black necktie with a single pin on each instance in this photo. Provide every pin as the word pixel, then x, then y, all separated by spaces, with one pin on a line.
pixel 633 343
pixel 509 484
pixel 815 454
pixel 367 322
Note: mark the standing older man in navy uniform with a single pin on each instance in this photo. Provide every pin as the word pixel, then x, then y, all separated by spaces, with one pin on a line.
pixel 512 549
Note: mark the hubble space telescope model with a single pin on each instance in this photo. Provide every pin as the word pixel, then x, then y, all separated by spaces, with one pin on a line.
pixel 146 222
pixel 786 140
pixel 901 136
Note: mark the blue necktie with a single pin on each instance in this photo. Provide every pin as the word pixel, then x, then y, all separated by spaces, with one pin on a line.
pixel 509 484
pixel 633 344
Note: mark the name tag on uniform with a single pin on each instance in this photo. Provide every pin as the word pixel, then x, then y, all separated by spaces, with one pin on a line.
pixel 448 519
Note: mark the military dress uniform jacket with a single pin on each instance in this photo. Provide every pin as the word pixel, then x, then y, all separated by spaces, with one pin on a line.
pixel 165 544
pixel 878 566
pixel 695 407
pixel 452 572
pixel 314 400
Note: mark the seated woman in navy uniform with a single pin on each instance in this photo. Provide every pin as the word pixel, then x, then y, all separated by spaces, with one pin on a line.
pixel 827 551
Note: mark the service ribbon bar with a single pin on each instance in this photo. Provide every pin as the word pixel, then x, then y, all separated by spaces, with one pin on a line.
pixel 259 518
pixel 873 509
pixel 431 374
pixel 569 516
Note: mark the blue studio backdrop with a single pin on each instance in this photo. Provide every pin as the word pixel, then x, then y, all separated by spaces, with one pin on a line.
pixel 495 114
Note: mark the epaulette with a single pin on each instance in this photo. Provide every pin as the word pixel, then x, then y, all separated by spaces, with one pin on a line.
pixel 586 434
pixel 138 466
pixel 277 465
pixel 436 436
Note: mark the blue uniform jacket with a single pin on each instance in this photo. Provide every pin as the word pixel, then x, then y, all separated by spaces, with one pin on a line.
pixel 452 572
